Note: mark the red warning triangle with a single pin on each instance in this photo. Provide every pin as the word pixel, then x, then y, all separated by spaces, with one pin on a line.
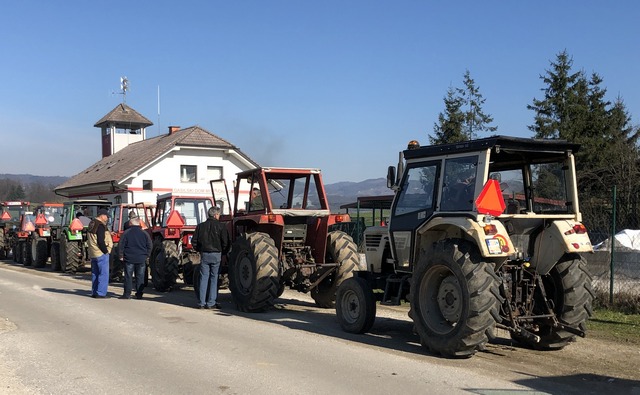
pixel 490 200
pixel 41 220
pixel 5 216
pixel 76 224
pixel 28 227
pixel 175 220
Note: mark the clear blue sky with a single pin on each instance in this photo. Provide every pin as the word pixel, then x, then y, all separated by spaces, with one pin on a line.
pixel 339 85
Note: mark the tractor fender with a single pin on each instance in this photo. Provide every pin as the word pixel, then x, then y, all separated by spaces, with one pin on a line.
pixel 557 239
pixel 494 244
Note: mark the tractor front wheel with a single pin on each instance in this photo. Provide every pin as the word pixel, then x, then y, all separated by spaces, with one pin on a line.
pixel 355 305
pixel 27 258
pixel 55 256
pixel 254 278
pixel 455 299
pixel 70 256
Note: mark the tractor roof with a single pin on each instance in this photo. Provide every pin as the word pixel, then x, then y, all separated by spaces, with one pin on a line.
pixel 499 143
pixel 279 170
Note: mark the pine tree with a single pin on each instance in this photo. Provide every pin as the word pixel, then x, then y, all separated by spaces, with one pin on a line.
pixel 449 128
pixel 475 120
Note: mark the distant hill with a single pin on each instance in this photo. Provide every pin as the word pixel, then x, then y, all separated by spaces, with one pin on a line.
pixel 31 179
pixel 345 192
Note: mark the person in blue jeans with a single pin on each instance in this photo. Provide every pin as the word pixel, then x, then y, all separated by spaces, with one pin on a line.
pixel 211 240
pixel 99 245
pixel 134 249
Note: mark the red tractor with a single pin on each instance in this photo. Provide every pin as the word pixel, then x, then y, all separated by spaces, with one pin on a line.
pixel 9 222
pixel 174 223
pixel 119 216
pixel 31 247
pixel 281 231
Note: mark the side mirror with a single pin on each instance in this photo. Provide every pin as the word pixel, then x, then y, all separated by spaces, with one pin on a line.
pixel 391 177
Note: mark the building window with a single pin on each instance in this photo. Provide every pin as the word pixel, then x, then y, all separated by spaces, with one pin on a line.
pixel 147 185
pixel 188 173
pixel 214 173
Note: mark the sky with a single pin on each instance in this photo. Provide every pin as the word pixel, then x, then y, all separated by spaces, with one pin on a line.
pixel 338 85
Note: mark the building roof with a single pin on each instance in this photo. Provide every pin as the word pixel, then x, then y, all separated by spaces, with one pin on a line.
pixel 125 116
pixel 122 164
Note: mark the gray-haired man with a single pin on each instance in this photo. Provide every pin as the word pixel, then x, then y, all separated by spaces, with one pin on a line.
pixel 211 240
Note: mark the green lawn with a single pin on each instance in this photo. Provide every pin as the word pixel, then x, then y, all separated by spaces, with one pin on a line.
pixel 615 326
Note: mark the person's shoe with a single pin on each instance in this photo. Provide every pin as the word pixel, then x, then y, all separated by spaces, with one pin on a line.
pixel 125 297
pixel 98 296
pixel 200 307
pixel 138 296
pixel 215 307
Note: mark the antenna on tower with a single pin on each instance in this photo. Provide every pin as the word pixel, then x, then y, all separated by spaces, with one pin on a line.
pixel 124 87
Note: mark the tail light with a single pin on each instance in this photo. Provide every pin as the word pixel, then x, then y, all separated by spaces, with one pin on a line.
pixel 172 231
pixel 272 218
pixel 577 229
pixel 339 218
pixel 490 230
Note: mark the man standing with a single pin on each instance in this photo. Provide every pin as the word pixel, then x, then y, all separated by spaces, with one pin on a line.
pixel 134 249
pixel 99 245
pixel 211 240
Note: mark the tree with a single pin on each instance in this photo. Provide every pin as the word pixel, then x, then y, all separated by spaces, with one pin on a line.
pixel 456 124
pixel 574 108
pixel 449 128
pixel 17 193
pixel 475 120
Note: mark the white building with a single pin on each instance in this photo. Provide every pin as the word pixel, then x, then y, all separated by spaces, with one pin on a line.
pixel 135 169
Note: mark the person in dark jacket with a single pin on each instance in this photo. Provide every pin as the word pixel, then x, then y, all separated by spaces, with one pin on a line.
pixel 132 214
pixel 211 240
pixel 134 249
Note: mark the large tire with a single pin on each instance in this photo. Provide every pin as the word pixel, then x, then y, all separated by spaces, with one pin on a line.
pixel 70 256
pixel 17 252
pixel 164 266
pixel 340 249
pixel 455 299
pixel 116 266
pixel 254 277
pixel 55 256
pixel 355 305
pixel 27 258
pixel 39 251
pixel 3 251
pixel 188 272
pixel 568 286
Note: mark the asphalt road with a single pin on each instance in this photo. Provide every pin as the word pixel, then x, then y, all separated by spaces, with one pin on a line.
pixel 54 338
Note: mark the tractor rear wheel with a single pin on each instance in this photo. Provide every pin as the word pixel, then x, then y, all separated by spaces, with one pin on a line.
pixel 39 251
pixel 17 252
pixel 55 256
pixel 355 305
pixel 70 256
pixel 164 266
pixel 3 251
pixel 455 299
pixel 27 258
pixel 342 250
pixel 568 286
pixel 254 277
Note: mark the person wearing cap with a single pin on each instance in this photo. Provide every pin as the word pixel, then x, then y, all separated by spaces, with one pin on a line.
pixel 99 245
pixel 132 215
pixel 211 240
pixel 134 248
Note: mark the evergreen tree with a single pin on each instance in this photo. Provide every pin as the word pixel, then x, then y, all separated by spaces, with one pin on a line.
pixel 449 128
pixel 574 108
pixel 475 120
pixel 17 193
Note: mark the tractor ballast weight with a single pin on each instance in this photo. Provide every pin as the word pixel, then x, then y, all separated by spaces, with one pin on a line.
pixel 482 234
pixel 280 228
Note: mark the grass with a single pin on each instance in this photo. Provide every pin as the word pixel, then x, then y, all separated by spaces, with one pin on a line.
pixel 615 326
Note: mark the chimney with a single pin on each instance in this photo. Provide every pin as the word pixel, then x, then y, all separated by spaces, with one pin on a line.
pixel 173 129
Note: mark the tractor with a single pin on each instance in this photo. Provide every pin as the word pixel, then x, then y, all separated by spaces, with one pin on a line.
pixel 31 247
pixel 280 229
pixel 482 234
pixel 120 214
pixel 68 249
pixel 173 256
pixel 52 214
pixel 9 222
